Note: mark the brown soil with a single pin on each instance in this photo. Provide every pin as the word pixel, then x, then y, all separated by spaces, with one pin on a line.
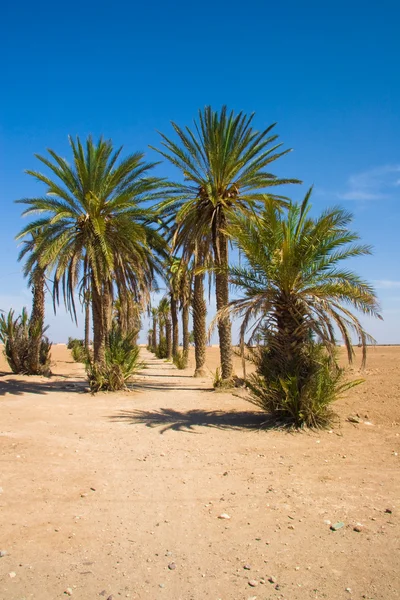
pixel 106 494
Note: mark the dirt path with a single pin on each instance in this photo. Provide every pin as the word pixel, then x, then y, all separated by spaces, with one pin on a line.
pixel 119 495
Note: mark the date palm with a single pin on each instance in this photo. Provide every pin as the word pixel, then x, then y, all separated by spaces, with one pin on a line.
pixel 154 314
pixel 174 288
pixel 224 163
pixel 95 209
pixel 164 311
pixel 181 278
pixel 85 298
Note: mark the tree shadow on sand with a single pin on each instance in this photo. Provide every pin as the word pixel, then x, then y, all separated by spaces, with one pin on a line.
pixel 169 419
pixel 20 387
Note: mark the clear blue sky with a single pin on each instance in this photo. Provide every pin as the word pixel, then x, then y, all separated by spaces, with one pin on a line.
pixel 328 73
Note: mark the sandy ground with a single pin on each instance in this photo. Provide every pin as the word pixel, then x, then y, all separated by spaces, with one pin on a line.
pixel 118 495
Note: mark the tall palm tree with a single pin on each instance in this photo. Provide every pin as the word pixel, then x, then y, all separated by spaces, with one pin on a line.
pixel 154 314
pixel 293 284
pixel 199 308
pixel 95 208
pixel 127 314
pixel 164 310
pixel 85 299
pixel 224 164
pixel 181 278
pixel 173 287
pixel 175 324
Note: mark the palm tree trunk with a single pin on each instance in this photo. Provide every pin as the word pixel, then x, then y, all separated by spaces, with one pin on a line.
pixel 99 336
pixel 185 331
pixel 291 331
pixel 199 325
pixel 154 344
pixel 160 330
pixel 222 294
pixel 175 326
pixel 107 310
pixel 36 321
pixel 123 314
pixel 168 336
pixel 87 324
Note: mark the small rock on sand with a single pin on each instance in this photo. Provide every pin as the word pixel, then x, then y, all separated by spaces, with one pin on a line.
pixel 354 419
pixel 223 516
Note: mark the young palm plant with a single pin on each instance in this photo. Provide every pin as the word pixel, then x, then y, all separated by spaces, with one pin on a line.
pixel 293 290
pixel 224 163
pixel 16 335
pixel 96 209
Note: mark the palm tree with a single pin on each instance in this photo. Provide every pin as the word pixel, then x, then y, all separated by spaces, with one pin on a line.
pixel 37 280
pixel 93 209
pixel 181 281
pixel 85 299
pixel 127 314
pixel 173 287
pixel 199 312
pixel 164 311
pixel 223 161
pixel 294 289
pixel 185 299
pixel 154 313
pixel 150 338
pixel 175 324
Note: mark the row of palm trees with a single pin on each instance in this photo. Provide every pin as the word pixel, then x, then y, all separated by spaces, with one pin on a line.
pixel 108 227
pixel 96 222
pixel 163 336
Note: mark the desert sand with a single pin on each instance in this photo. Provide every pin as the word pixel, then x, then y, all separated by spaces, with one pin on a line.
pixel 120 495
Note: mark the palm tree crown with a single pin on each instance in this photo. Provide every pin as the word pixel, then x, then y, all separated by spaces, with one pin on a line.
pixel 95 214
pixel 293 283
pixel 224 163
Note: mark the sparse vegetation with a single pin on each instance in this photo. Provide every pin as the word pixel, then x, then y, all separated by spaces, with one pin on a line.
pixel 180 360
pixel 300 393
pixel 109 230
pixel 121 362
pixel 16 335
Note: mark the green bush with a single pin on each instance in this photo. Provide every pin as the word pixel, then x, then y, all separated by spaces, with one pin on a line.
pixel 300 391
pixel 79 353
pixel 180 360
pixel 73 342
pixel 161 350
pixel 14 334
pixel 121 362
